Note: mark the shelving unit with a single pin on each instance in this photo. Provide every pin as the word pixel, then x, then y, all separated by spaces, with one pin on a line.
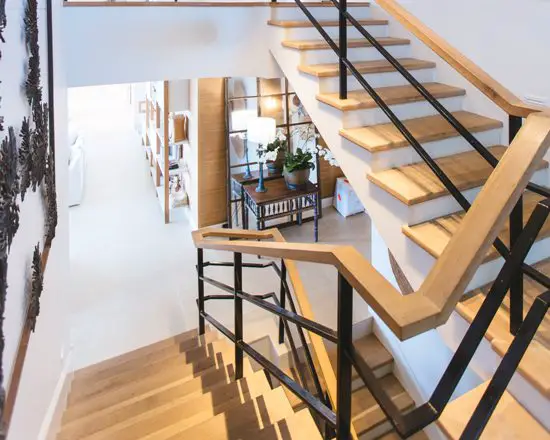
pixel 157 142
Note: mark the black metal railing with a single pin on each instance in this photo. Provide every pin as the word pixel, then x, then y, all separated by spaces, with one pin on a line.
pixel 405 424
pixel 316 399
pixel 516 219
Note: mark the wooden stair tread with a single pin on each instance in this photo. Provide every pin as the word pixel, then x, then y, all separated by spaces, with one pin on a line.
pixel 537 358
pixel 114 362
pixel 203 358
pixel 103 418
pixel 416 183
pixel 352 42
pixel 295 401
pixel 157 387
pixel 384 137
pixel 434 235
pixel 298 426
pixel 193 410
pixel 371 350
pixel 376 66
pixel 323 23
pixel 531 290
pixel 186 351
pixel 367 414
pixel 510 420
pixel 392 95
pixel 238 422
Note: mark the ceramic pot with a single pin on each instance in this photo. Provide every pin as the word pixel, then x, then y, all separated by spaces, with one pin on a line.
pixel 276 166
pixel 297 179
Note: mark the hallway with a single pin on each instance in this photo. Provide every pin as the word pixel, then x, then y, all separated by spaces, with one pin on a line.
pixel 133 276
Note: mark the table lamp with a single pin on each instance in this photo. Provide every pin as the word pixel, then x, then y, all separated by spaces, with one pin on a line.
pixel 261 131
pixel 239 122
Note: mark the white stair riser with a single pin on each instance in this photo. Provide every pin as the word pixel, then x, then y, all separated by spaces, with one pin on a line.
pixel 441 206
pixel 488 272
pixel 311 33
pixel 354 54
pixel 446 147
pixel 359 118
pixel 320 13
pixel 332 85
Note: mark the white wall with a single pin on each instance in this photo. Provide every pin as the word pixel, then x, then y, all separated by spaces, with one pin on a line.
pixel 133 44
pixel 508 39
pixel 44 363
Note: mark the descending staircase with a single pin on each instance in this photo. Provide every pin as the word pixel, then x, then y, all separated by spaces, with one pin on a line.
pixel 183 388
pixel 398 189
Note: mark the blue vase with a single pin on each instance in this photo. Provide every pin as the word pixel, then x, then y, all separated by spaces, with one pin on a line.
pixel 261 187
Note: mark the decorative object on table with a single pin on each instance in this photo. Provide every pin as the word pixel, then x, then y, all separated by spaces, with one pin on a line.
pixel 297 168
pixel 261 131
pixel 326 154
pixel 346 201
pixel 275 153
pixel 239 122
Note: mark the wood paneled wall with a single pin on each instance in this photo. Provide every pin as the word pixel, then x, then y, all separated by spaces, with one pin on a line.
pixel 211 149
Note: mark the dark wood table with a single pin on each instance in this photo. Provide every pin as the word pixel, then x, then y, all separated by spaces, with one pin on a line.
pixel 279 201
pixel 238 182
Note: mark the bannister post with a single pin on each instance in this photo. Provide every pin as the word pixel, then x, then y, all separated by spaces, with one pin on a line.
pixel 282 300
pixel 343 42
pixel 200 274
pixel 343 373
pixel 238 277
pixel 516 226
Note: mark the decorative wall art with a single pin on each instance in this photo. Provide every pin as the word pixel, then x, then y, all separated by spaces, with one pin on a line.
pixel 9 189
pixel 27 166
pixel 37 285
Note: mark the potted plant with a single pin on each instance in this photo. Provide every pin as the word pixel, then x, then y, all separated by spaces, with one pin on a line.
pixel 297 168
pixel 275 154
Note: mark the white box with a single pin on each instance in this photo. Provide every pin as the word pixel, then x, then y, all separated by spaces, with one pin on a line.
pixel 346 201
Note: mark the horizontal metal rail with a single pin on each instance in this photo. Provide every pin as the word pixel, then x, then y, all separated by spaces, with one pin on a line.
pixel 257 300
pixel 304 395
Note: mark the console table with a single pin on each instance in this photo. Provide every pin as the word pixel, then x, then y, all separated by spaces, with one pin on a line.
pixel 279 201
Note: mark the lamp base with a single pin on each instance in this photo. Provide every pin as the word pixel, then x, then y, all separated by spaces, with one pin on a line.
pixel 260 189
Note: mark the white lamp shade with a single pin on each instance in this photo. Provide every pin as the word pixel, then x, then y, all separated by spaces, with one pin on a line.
pixel 262 130
pixel 240 118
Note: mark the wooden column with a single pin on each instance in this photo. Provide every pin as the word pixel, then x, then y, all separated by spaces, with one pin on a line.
pixel 211 149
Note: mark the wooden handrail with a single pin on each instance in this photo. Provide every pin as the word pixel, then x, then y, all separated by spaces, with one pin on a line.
pixel 433 303
pixel 495 91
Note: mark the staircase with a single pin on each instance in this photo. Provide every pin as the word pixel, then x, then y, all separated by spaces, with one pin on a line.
pixel 181 387
pixel 414 212
pixel 184 388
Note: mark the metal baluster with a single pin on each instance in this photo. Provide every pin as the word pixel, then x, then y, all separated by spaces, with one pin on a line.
pixel 238 276
pixel 200 274
pixel 282 300
pixel 516 226
pixel 343 399
pixel 343 41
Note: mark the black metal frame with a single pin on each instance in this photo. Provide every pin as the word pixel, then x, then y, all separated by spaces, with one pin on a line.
pixel 347 356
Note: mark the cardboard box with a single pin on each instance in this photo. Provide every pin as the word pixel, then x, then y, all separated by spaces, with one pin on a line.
pixel 346 201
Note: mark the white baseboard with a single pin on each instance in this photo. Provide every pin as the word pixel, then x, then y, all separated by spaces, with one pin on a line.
pixel 52 420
